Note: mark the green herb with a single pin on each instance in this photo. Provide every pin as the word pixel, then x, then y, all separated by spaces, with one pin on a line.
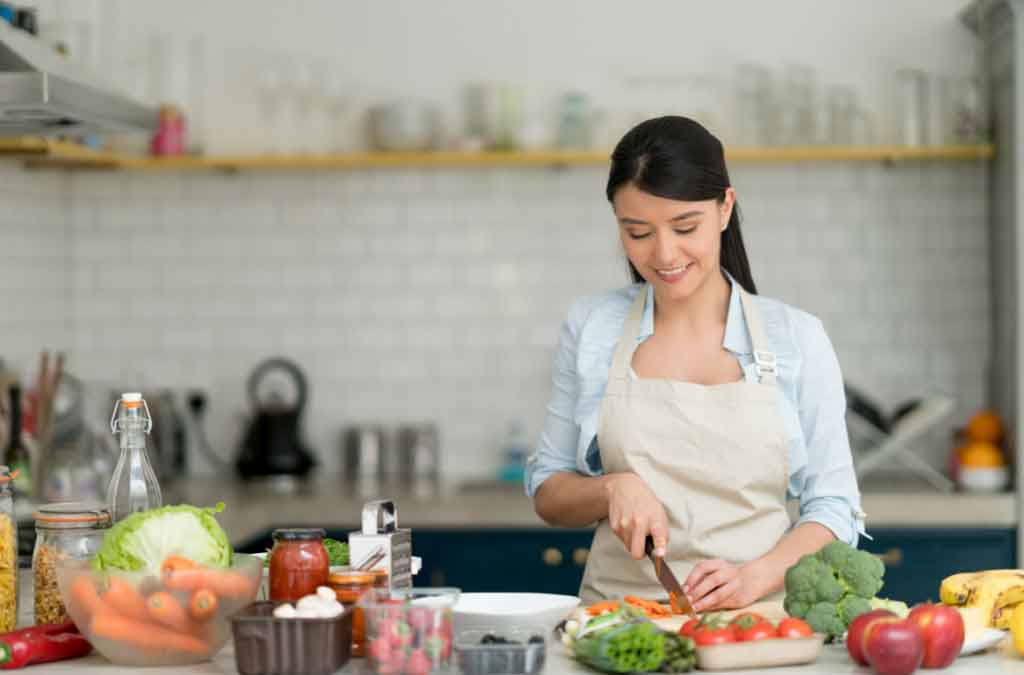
pixel 635 646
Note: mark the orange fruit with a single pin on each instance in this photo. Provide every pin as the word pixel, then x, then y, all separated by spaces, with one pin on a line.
pixel 985 425
pixel 979 454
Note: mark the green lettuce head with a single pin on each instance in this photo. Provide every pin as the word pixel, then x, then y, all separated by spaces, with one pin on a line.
pixel 143 540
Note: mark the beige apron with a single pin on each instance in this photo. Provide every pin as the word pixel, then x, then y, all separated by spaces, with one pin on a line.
pixel 716 456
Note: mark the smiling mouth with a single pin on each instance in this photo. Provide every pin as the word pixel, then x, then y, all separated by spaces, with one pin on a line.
pixel 672 274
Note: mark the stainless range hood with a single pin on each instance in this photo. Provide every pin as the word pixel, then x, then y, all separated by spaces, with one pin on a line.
pixel 40 94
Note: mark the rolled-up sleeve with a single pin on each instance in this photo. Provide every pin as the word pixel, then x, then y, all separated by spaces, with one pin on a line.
pixel 828 485
pixel 556 447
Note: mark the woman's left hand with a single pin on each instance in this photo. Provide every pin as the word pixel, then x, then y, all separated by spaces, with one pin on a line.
pixel 717 584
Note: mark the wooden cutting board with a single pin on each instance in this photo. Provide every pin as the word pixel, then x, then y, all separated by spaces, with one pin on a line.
pixel 771 610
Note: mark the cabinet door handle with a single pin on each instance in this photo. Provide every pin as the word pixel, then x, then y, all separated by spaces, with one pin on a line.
pixel 891 558
pixel 552 557
pixel 580 555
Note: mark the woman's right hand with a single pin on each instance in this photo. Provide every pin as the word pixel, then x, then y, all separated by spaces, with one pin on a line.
pixel 634 512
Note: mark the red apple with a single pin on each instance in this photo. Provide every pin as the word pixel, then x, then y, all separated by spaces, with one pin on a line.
pixel 855 633
pixel 894 646
pixel 943 630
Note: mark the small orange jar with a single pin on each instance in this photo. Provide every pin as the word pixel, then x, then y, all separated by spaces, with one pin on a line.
pixel 380 578
pixel 349 587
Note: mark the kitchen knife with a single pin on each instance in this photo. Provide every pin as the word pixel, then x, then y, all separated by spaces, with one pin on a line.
pixel 676 596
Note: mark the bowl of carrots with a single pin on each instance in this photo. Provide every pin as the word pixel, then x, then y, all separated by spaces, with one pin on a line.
pixel 177 617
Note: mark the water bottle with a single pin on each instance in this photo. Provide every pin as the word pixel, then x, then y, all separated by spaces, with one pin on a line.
pixel 133 486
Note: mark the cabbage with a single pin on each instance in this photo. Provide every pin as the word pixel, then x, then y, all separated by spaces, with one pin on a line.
pixel 143 540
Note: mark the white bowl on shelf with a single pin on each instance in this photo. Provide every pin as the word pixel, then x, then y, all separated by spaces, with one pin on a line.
pixel 500 611
pixel 984 479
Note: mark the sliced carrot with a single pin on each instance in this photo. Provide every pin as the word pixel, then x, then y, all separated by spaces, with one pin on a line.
pixel 84 594
pixel 602 607
pixel 146 635
pixel 651 608
pixel 126 600
pixel 203 604
pixel 225 583
pixel 165 609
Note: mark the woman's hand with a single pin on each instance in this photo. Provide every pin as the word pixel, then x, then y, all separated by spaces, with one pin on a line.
pixel 634 512
pixel 717 584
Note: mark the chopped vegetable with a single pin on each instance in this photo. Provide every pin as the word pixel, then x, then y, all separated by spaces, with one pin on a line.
pixel 654 610
pixel 602 607
pixel 144 540
pixel 832 587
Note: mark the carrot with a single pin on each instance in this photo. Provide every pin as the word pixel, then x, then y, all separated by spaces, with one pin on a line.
pixel 175 563
pixel 224 583
pixel 602 607
pixel 651 608
pixel 145 635
pixel 124 599
pixel 203 604
pixel 165 609
pixel 83 594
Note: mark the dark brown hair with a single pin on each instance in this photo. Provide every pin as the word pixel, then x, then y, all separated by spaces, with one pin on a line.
pixel 677 158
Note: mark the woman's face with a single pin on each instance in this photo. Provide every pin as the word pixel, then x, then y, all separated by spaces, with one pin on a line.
pixel 673 244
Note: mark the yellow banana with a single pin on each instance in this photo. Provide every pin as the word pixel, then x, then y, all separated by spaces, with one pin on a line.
pixel 1006 602
pixel 978 588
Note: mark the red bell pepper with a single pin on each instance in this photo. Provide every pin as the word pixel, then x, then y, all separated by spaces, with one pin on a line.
pixel 42 644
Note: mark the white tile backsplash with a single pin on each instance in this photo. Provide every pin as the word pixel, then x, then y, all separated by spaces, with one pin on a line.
pixel 438 294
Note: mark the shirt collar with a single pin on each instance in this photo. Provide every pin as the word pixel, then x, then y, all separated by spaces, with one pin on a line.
pixel 736 339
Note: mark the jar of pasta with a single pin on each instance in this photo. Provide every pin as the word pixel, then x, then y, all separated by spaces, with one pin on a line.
pixel 8 552
pixel 68 530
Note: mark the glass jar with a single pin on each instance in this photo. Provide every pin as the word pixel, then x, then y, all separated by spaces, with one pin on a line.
pixel 66 530
pixel 349 587
pixel 8 552
pixel 298 563
pixel 380 578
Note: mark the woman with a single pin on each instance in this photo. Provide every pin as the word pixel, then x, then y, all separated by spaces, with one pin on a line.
pixel 686 407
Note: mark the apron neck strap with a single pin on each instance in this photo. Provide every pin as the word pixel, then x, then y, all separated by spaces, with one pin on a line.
pixel 764 358
pixel 627 343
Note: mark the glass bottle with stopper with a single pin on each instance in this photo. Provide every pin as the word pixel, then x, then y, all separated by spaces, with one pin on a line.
pixel 133 486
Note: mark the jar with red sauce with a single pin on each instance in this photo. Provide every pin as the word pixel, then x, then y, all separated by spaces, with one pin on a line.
pixel 298 563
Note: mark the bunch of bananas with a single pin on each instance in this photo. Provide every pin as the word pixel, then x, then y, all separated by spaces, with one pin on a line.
pixel 990 596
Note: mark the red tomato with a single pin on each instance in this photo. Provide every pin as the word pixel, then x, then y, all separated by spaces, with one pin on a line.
pixel 689 628
pixel 792 627
pixel 762 630
pixel 714 636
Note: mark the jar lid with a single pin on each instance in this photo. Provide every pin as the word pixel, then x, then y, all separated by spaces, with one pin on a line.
pixel 85 514
pixel 350 578
pixel 299 533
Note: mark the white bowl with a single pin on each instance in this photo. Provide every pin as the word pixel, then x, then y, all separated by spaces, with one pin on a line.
pixel 500 611
pixel 984 479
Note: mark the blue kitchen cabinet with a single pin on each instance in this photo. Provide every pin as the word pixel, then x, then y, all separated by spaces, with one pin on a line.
pixel 514 560
pixel 917 560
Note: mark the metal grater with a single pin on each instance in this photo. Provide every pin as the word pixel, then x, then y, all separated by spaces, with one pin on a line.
pixel 382 545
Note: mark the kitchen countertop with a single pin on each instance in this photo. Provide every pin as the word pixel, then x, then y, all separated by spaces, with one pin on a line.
pixel 252 508
pixel 833 661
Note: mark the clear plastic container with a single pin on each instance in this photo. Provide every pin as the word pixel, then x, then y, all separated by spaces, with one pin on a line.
pixel 8 552
pixel 518 649
pixel 409 629
pixel 66 530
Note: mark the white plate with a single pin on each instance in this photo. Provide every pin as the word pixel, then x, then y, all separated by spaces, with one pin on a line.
pixel 503 610
pixel 986 639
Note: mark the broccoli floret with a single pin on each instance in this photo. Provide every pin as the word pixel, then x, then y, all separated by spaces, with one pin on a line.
pixel 859 572
pixel 824 618
pixel 851 607
pixel 811 581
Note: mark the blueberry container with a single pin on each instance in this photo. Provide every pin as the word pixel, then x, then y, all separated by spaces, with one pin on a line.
pixel 508 651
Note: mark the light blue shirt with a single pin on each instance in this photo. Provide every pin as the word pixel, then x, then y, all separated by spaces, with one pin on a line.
pixel 810 394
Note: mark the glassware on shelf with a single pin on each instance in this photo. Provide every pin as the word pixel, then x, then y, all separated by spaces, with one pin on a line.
pixel 912 120
pixel 798 112
pixel 133 485
pixel 756 120
pixel 841 115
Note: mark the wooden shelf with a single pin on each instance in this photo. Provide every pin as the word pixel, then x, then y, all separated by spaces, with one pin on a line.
pixel 44 153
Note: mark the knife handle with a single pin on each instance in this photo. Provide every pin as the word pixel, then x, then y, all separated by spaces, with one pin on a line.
pixel 649 546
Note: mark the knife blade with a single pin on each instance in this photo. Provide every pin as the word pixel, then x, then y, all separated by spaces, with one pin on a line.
pixel 676 596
